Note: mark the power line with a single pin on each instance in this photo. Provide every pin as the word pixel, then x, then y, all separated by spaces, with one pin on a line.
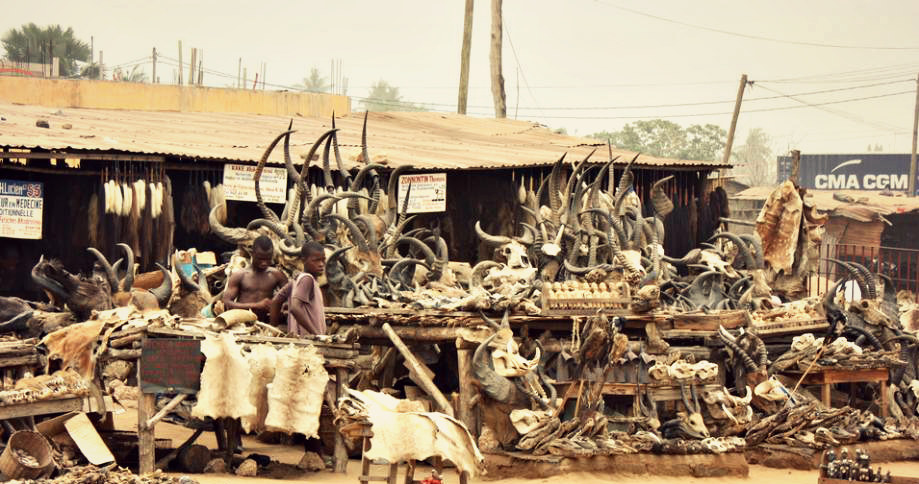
pixel 847 76
pixel 837 112
pixel 520 69
pixel 780 108
pixel 751 36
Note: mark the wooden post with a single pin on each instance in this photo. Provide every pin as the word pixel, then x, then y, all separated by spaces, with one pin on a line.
pixel 341 453
pixel 201 68
pixel 795 165
pixel 912 158
pixel 730 141
pixel 497 78
pixel 464 60
pixel 153 77
pixel 239 73
pixel 101 67
pixel 180 62
pixel 146 449
pixel 466 388
pixel 191 66
pixel 419 370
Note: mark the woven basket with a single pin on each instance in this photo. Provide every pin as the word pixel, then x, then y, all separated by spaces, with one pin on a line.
pixel 35 445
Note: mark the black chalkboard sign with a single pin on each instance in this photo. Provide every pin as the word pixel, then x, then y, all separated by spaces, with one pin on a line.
pixel 170 365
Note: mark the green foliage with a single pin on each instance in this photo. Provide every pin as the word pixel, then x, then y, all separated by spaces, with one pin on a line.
pixel 136 75
pixel 666 139
pixel 27 43
pixel 316 82
pixel 753 160
pixel 386 97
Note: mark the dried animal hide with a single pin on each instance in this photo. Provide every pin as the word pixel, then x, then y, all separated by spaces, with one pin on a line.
pixel 262 362
pixel 778 225
pixel 295 395
pixel 225 380
pixel 73 345
pixel 401 436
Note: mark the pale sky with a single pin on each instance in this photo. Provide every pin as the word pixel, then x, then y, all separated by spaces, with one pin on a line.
pixel 584 65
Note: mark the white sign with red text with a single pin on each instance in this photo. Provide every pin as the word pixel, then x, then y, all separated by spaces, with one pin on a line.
pixel 239 183
pixel 21 207
pixel 429 192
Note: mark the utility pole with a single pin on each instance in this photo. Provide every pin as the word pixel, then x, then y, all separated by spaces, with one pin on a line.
pixel 153 77
pixel 191 66
pixel 730 141
pixel 795 165
pixel 101 67
pixel 912 158
pixel 180 62
pixel 201 68
pixel 464 60
pixel 497 78
pixel 239 73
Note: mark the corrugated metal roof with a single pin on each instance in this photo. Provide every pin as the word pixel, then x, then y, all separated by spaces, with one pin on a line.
pixel 863 205
pixel 424 140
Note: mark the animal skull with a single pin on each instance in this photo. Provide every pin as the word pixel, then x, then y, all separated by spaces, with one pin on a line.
pixel 515 255
pixel 659 371
pixel 681 370
pixel 705 370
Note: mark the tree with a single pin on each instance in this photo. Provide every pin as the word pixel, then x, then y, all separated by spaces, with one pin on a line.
pixel 659 137
pixel 316 82
pixel 136 75
pixel 29 42
pixel 753 160
pixel 385 97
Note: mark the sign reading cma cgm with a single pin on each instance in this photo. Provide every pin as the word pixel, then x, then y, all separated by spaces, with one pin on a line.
pixel 873 171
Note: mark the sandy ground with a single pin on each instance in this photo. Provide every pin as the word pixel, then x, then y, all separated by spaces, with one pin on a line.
pixel 292 455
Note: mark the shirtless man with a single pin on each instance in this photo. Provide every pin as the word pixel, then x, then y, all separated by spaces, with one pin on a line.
pixel 254 287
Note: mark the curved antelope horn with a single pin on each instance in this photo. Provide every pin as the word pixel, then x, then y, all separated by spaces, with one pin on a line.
pixel 685 397
pixel 491 239
pixel 291 170
pixel 345 176
pixel 202 281
pixel 695 398
pixel 230 235
pixel 479 271
pixel 555 198
pixel 757 243
pixel 584 270
pixel 45 283
pixel 856 275
pixel 367 222
pixel 392 193
pixel 691 257
pixel 871 282
pixel 731 342
pixel 749 262
pixel 268 213
pixel 397 271
pixel 164 291
pixel 429 256
pixel 494 385
pixel 128 280
pixel 301 178
pixel 659 199
pixel 491 322
pixel 362 173
pixel 187 283
pixel 326 168
pixel 364 152
pixel 106 267
pixel 354 232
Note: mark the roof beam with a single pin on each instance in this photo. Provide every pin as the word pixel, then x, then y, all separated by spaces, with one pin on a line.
pixel 56 155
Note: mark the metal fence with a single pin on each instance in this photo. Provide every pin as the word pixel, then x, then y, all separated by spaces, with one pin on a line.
pixel 900 265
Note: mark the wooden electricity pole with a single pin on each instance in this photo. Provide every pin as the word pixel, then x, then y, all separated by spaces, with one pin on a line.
pixel 497 79
pixel 180 63
pixel 464 60
pixel 912 158
pixel 730 142
pixel 191 66
pixel 153 78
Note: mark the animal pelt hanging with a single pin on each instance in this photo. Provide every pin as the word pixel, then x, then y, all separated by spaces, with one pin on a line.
pixel 779 226
pixel 225 380
pixel 194 213
pixel 73 345
pixel 262 361
pixel 166 221
pixel 295 395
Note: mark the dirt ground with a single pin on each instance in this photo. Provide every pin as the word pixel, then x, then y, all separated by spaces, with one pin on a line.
pixel 292 454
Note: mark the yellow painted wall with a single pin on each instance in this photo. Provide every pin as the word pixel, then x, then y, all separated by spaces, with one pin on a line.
pixel 65 93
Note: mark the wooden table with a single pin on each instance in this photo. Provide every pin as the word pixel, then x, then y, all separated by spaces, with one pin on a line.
pixel 339 359
pixel 826 377
pixel 657 392
pixel 47 407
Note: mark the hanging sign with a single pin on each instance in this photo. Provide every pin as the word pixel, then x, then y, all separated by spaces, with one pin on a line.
pixel 429 192
pixel 21 206
pixel 239 183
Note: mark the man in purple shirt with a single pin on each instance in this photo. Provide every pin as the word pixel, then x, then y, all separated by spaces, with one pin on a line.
pixel 306 314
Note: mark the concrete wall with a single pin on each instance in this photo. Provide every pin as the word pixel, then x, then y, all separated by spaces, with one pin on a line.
pixel 64 93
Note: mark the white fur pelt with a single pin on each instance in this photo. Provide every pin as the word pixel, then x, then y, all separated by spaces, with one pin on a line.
pixel 400 435
pixel 262 361
pixel 225 380
pixel 296 394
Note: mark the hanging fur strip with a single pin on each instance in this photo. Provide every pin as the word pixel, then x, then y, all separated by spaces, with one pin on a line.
pixel 296 394
pixel 140 193
pixel 127 194
pixel 109 198
pixel 118 198
pixel 225 380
